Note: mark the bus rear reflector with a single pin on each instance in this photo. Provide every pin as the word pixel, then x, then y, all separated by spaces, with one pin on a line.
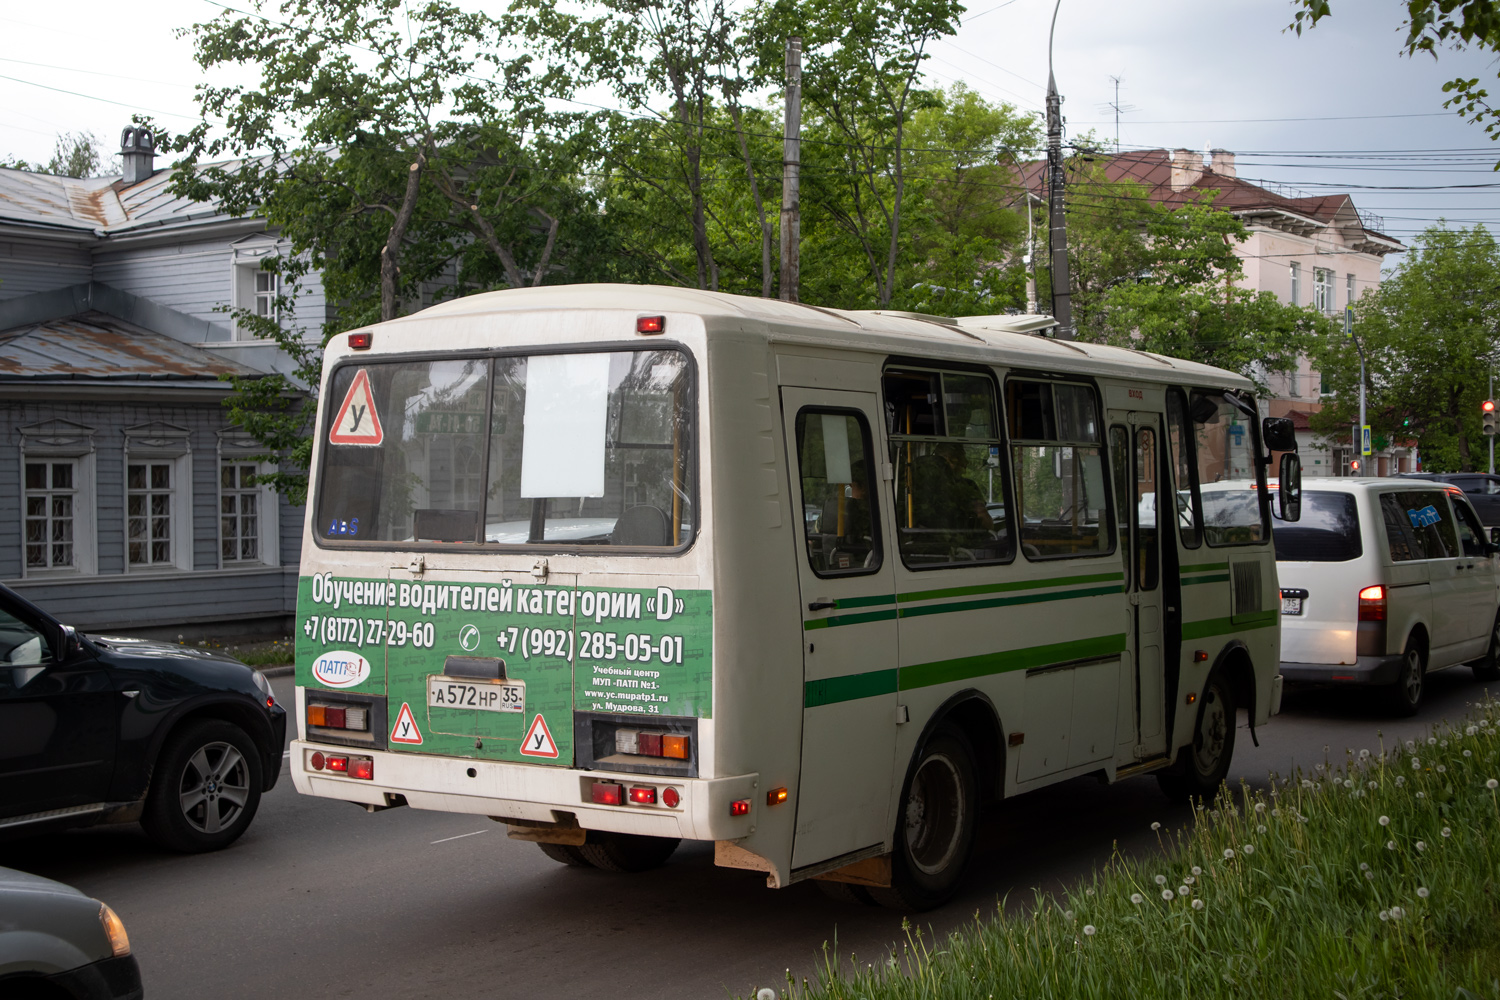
pixel 670 798
pixel 608 793
pixel 316 761
pixel 362 767
pixel 1372 604
pixel 739 807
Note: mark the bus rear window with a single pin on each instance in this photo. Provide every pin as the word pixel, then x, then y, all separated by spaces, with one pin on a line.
pixel 549 449
pixel 1328 531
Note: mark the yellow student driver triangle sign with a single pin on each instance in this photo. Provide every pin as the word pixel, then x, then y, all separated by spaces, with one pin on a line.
pixel 357 422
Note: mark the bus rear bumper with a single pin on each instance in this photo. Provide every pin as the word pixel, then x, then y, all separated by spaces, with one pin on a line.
pixel 533 792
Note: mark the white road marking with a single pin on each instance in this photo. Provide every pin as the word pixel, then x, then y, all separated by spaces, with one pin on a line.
pixel 461 836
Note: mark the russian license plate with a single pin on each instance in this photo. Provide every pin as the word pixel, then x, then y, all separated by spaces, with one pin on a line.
pixel 1291 605
pixel 485 696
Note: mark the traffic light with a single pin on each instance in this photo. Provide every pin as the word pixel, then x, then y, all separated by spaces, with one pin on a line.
pixel 1491 420
pixel 1354 466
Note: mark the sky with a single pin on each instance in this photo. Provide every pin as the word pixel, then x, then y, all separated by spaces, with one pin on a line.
pixel 1337 109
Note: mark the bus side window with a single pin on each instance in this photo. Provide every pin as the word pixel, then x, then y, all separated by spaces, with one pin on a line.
pixel 834 460
pixel 1119 466
pixel 1058 461
pixel 1180 445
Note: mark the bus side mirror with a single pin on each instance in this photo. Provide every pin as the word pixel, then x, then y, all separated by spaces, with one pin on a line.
pixel 1495 538
pixel 1289 488
pixel 1278 434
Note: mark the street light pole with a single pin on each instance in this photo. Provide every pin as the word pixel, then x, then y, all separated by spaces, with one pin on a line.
pixel 1057 219
pixel 1358 438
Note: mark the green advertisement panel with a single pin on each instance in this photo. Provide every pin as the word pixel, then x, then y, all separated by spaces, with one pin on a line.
pixel 495 671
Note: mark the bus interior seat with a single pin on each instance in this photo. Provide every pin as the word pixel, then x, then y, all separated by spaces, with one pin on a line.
pixel 642 525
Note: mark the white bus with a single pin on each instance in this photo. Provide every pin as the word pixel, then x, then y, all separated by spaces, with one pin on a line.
pixel 619 566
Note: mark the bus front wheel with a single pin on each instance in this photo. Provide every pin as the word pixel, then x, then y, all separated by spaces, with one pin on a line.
pixel 936 825
pixel 1202 764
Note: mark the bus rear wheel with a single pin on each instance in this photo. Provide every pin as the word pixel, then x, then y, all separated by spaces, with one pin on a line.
pixel 627 852
pixel 566 854
pixel 936 825
pixel 1202 765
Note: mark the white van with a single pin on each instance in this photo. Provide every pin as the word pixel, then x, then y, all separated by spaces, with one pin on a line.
pixel 1383 580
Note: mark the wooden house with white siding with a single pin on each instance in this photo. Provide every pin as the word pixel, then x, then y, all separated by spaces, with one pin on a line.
pixel 127 498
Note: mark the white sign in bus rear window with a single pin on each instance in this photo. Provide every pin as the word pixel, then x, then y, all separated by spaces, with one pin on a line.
pixel 565 421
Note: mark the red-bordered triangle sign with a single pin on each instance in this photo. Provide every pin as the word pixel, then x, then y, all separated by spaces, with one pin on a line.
pixel 405 730
pixel 538 741
pixel 357 422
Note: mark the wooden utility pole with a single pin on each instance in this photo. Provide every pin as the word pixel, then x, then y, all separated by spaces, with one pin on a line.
pixel 791 167
pixel 1057 221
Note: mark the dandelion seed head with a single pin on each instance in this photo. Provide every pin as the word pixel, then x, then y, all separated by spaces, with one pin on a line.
pixel 1196 870
pixel 1385 915
pixel 1443 743
pixel 1372 785
pixel 1260 807
pixel 1468 753
pixel 1421 795
pixel 1492 784
pixel 1248 848
pixel 1410 745
pixel 1390 845
pixel 1188 879
pixel 1228 853
pixel 1442 769
pixel 1260 829
pixel 1471 730
pixel 1318 768
pixel 1432 741
pixel 1416 763
pixel 1067 914
pixel 1088 930
pixel 1423 892
pixel 1276 811
pixel 1397 913
pixel 1183 890
pixel 1400 780
pixel 1369 875
pixel 1156 826
pixel 1385 821
pixel 1136 898
pixel 1306 783
pixel 1348 782
pixel 1197 904
pixel 1161 880
pixel 1168 895
pixel 1447 831
pixel 1364 866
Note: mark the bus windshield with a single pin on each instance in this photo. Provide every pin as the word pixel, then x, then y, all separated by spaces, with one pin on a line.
pixel 1226 471
pixel 553 449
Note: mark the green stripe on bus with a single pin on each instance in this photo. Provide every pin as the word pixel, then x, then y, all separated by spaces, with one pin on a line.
pixel 878 682
pixel 1205 567
pixel 865 602
pixel 850 687
pixel 1223 626
pixel 1221 578
pixel 996 588
pixel 835 620
pixel 999 602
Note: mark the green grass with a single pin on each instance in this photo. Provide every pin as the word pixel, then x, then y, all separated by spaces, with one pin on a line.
pixel 1374 878
pixel 259 653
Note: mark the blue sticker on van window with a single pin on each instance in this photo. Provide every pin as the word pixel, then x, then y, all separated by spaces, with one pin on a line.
pixel 1423 518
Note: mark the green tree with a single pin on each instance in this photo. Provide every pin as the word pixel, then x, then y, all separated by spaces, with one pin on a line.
pixel 75 154
pixel 1432 25
pixel 1429 335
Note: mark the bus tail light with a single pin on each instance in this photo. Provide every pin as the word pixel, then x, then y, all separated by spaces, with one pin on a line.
pixel 645 743
pixel 338 763
pixel 607 793
pixel 739 807
pixel 348 717
pixel 643 794
pixel 362 767
pixel 1372 604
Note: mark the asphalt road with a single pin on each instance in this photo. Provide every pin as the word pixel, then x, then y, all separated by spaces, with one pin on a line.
pixel 320 899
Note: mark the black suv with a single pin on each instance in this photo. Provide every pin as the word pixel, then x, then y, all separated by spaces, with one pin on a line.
pixel 101 730
pixel 1482 489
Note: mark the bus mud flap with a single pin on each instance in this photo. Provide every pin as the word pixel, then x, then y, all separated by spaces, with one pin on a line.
pixel 567 831
pixel 866 866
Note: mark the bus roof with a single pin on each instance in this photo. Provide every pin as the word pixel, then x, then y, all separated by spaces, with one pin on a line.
pixel 1004 339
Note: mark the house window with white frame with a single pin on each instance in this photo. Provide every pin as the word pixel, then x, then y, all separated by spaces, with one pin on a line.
pixel 1296 283
pixel 150 503
pixel 1348 289
pixel 1323 299
pixel 255 292
pixel 51 513
pixel 239 512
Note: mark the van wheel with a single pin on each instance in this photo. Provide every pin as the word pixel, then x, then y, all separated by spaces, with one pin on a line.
pixel 1202 765
pixel 626 852
pixel 936 825
pixel 1488 669
pixel 205 788
pixel 1405 695
pixel 566 854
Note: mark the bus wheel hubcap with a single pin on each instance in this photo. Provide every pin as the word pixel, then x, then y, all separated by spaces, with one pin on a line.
pixel 1212 730
pixel 935 814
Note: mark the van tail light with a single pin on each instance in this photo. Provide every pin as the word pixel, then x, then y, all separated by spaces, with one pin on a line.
pixel 1372 604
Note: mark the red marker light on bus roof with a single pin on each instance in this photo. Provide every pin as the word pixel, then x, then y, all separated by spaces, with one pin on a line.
pixel 650 324
pixel 361 341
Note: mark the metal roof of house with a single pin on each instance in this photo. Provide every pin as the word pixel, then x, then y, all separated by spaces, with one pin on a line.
pixel 96 347
pixel 96 205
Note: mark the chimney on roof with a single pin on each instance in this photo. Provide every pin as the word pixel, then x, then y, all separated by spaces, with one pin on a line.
pixel 1187 167
pixel 138 151
pixel 1222 162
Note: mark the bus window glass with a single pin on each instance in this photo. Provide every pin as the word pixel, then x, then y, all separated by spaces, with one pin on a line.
pixel 950 496
pixel 1060 493
pixel 612 433
pixel 1227 480
pixel 1119 467
pixel 834 461
pixel 1179 447
pixel 413 469
pixel 1147 554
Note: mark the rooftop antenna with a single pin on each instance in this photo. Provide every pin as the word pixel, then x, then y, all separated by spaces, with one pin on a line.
pixel 1118 109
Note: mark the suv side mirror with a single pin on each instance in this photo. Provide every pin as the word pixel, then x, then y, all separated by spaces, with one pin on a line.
pixel 1278 433
pixel 1289 488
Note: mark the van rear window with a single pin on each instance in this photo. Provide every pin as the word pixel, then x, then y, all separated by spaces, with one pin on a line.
pixel 1328 531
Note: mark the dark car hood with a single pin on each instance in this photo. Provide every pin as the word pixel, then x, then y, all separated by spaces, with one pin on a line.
pixel 155 649
pixel 12 879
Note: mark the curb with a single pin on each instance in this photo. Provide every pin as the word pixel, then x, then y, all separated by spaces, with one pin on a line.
pixel 275 671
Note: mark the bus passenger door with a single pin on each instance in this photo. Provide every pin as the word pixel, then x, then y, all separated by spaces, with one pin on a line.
pixel 1153 512
pixel 849 625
